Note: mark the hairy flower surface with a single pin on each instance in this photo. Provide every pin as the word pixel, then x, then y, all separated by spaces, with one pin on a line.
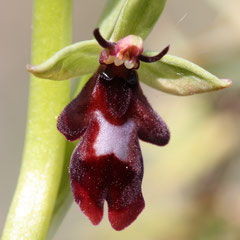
pixel 110 115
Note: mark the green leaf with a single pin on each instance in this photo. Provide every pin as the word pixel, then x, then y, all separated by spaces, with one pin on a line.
pixel 109 17
pixel 72 61
pixel 178 76
pixel 138 18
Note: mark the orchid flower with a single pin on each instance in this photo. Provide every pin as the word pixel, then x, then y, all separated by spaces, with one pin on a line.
pixel 111 113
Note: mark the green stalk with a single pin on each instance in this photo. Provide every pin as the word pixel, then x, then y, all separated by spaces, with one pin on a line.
pixel 43 157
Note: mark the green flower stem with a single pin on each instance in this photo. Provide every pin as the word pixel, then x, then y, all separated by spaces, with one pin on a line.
pixel 64 196
pixel 43 157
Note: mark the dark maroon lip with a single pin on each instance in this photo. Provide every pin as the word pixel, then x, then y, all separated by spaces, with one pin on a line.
pixel 111 180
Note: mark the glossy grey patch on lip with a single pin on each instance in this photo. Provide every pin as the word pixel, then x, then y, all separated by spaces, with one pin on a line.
pixel 117 141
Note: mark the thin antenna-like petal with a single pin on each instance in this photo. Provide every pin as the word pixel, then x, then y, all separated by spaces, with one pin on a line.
pixel 154 58
pixel 102 42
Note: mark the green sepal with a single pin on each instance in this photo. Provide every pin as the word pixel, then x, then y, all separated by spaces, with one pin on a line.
pixel 75 60
pixel 137 17
pixel 109 17
pixel 178 76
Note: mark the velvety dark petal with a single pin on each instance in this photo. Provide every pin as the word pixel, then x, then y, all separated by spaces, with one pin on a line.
pixel 89 187
pixel 110 114
pixel 121 219
pixel 107 177
pixel 118 100
pixel 118 94
pixel 151 128
pixel 91 207
pixel 101 170
pixel 73 120
pixel 125 201
pixel 88 177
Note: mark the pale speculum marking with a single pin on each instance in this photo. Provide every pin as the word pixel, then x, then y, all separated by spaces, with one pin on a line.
pixel 113 139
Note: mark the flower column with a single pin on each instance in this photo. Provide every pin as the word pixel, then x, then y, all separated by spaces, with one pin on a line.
pixel 35 196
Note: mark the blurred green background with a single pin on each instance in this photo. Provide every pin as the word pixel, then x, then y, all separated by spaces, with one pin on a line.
pixel 192 186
